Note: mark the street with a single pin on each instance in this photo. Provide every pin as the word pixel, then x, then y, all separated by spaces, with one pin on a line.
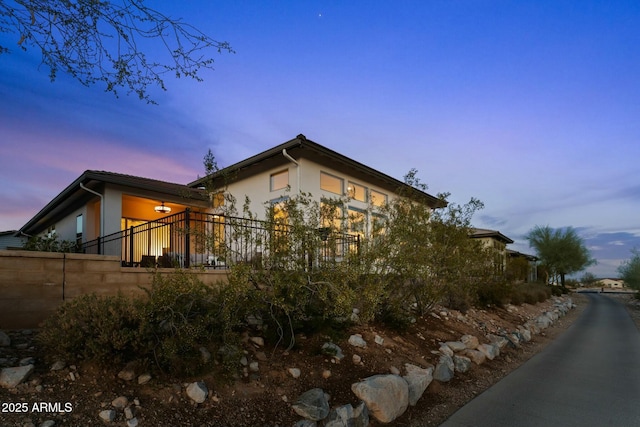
pixel 589 376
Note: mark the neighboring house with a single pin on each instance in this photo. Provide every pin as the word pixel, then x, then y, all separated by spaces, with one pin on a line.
pixel 498 242
pixel 11 240
pixel 523 267
pixel 107 205
pixel 611 283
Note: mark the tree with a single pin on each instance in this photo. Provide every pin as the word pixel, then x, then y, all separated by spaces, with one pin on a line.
pixel 630 270
pixel 588 279
pixel 560 250
pixel 101 41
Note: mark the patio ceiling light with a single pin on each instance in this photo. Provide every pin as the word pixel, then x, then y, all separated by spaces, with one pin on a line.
pixel 162 209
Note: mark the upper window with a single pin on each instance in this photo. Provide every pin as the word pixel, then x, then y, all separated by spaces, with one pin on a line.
pixel 357 191
pixel 378 198
pixel 279 180
pixel 331 183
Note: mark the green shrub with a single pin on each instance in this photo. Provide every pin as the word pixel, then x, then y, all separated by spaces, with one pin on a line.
pixel 496 292
pixel 91 327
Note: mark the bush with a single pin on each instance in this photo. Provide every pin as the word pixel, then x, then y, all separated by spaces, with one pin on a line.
pixel 529 293
pixel 167 328
pixel 497 292
pixel 103 329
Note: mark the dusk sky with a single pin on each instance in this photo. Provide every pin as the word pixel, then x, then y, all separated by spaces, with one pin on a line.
pixel 533 107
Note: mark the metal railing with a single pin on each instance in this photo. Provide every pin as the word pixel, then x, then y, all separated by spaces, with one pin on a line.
pixel 196 239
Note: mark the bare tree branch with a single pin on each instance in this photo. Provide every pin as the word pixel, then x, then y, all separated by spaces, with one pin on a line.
pixel 108 41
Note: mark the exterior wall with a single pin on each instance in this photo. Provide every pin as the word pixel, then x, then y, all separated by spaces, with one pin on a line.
pixel 34 284
pixel 8 240
pixel 611 283
pixel 257 187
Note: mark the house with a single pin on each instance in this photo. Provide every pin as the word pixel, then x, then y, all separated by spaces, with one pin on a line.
pixel 497 241
pixel 135 217
pixel 11 240
pixel 610 283
pixel 522 267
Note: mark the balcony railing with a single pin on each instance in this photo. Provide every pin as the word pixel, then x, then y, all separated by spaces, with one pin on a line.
pixel 196 239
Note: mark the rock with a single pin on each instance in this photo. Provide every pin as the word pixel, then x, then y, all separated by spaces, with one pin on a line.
pixel 205 355
pixel 259 341
pixel 331 349
pixel 386 396
pixel 526 334
pixel 456 346
pixel 347 416
pixel 470 341
pixel 120 402
pixel 128 412
pixel 254 367
pixel 108 415
pixel 133 422
pixel 378 340
pixel 197 391
pixel 128 373
pixel 305 423
pixel 11 377
pixel 501 342
pixel 543 322
pixel 445 369
pixel 491 351
pixel 461 363
pixel 255 321
pixel 418 379
pixel 356 359
pixel 446 350
pixel 144 378
pixel 294 372
pixel 48 423
pixel 394 370
pixel 476 356
pixel 58 365
pixel 27 361
pixel 5 341
pixel 261 356
pixel 357 341
pixel 312 404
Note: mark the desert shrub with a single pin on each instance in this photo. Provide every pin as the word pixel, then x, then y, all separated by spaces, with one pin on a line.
pixel 530 293
pixel 496 292
pixel 181 314
pixel 165 329
pixel 90 327
pixel 50 244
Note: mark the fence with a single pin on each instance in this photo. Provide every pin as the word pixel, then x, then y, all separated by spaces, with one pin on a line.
pixel 196 239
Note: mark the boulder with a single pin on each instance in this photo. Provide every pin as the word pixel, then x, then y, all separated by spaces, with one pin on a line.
pixel 347 416
pixel 108 415
pixel 331 349
pixel 312 405
pixel 418 379
pixel 446 350
pixel 294 372
pixel 444 369
pixel 11 377
pixel 129 372
pixel 491 351
pixel 197 391
pixel 357 341
pixel 456 346
pixel 120 402
pixel 305 423
pixel 386 396
pixel 476 356
pixel 501 342
pixel 470 341
pixel 461 363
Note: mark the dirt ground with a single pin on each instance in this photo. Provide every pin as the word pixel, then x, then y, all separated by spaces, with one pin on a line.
pixel 264 398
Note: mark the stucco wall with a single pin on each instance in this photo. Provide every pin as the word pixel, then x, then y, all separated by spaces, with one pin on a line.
pixel 34 284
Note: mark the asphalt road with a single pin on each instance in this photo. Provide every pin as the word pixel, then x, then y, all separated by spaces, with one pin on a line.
pixel 589 376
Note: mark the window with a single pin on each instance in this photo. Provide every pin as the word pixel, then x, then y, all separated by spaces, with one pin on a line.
pixel 331 215
pixel 357 221
pixel 217 199
pixel 279 180
pixel 377 224
pixel 357 192
pixel 331 183
pixel 377 198
pixel 79 229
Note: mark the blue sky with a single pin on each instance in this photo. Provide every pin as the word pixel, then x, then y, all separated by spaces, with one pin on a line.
pixel 532 107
